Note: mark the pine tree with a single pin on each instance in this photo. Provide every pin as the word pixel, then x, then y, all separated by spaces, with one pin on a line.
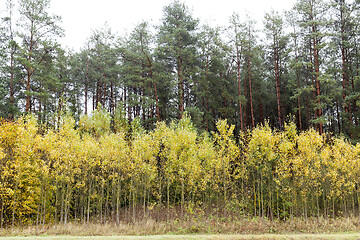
pixel 37 30
pixel 176 48
pixel 275 34
pixel 314 23
pixel 239 40
pixel 344 46
pixel 139 73
pixel 212 86
pixel 10 66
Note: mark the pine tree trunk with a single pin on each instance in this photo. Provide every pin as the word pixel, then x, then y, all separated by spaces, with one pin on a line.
pixel 246 108
pixel 261 112
pixel 28 97
pixel 29 70
pixel 345 65
pixel 93 99
pixel 354 103
pixel 13 50
pixel 250 86
pixel 250 93
pixel 205 100
pixel 181 91
pixel 103 96
pixel 315 41
pixel 86 84
pixel 297 81
pixel 277 79
pixel 357 74
pixel 12 99
pixel 152 78
pixel 239 87
pixel 298 100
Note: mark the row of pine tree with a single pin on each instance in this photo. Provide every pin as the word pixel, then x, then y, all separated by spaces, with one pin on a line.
pixel 301 64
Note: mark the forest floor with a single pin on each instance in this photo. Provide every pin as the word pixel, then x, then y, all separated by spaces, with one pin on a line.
pixel 195 237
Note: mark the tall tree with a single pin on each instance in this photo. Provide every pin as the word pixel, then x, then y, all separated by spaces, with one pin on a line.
pixel 38 29
pixel 9 65
pixel 314 22
pixel 101 67
pixel 275 34
pixel 138 72
pixel 295 62
pixel 344 47
pixel 79 63
pixel 13 48
pixel 176 47
pixel 3 63
pixel 251 41
pixel 239 39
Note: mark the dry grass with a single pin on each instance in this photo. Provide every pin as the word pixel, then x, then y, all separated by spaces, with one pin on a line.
pixel 194 226
pixel 198 237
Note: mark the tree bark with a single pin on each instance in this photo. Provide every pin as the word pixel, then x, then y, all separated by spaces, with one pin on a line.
pixel 344 57
pixel 86 84
pixel 153 80
pixel 261 112
pixel 12 75
pixel 297 81
pixel 277 79
pixel 29 71
pixel 315 43
pixel 238 57
pixel 250 91
pixel 181 91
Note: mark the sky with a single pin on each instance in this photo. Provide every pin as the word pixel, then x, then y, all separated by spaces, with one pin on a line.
pixel 81 17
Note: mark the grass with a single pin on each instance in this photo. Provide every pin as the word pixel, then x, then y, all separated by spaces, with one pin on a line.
pixel 197 237
pixel 297 228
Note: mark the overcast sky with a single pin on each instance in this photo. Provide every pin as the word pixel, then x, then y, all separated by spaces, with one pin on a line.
pixel 80 17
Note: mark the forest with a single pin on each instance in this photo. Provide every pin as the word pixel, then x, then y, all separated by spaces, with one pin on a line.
pixel 182 118
pixel 303 65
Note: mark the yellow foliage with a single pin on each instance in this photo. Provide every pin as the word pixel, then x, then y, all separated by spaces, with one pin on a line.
pixel 92 166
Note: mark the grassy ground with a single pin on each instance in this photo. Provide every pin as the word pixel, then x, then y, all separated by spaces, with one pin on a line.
pixel 204 229
pixel 197 237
